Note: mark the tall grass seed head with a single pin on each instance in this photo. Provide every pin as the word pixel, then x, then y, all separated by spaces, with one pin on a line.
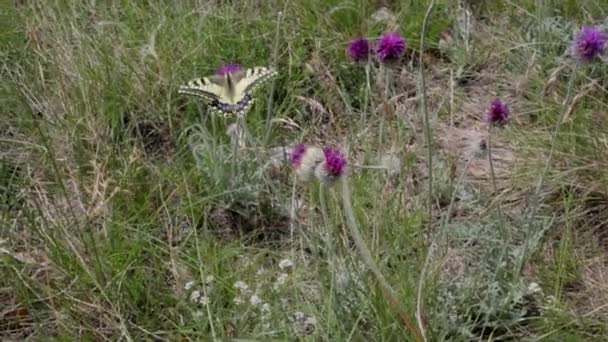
pixel 590 43
pixel 390 48
pixel 332 167
pixel 359 50
pixel 498 113
pixel 304 160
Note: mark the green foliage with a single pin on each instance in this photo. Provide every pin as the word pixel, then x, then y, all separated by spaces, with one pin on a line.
pixel 112 188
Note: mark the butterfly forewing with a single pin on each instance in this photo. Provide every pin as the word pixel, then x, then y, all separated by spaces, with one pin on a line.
pixel 253 78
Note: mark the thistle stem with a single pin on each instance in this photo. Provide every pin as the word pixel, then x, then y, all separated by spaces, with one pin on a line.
pixel 364 252
pixel 429 144
pixel 503 228
pixel 541 179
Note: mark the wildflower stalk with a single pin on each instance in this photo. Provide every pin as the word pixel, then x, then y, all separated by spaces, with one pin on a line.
pixel 385 105
pixel 541 178
pixel 275 58
pixel 503 228
pixel 292 218
pixel 368 92
pixel 427 133
pixel 235 151
pixel 389 293
pixel 427 124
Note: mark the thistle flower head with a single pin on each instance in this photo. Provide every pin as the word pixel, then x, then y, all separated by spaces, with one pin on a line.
pixel 391 47
pixel 228 69
pixel 498 113
pixel 332 167
pixel 334 162
pixel 590 43
pixel 304 160
pixel 297 154
pixel 359 50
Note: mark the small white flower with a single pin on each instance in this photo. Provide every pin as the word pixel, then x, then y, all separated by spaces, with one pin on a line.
pixel 203 300
pixel 265 308
pixel 281 280
pixel 262 271
pixel 238 300
pixel 209 279
pixel 255 300
pixel 188 285
pixel 534 288
pixel 195 295
pixel 242 286
pixel 245 261
pixel 297 316
pixel 285 263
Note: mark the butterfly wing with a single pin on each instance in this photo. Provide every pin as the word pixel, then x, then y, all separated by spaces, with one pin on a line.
pixel 213 91
pixel 228 98
pixel 250 80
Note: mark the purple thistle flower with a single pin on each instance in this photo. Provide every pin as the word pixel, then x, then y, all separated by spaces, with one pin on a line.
pixel 359 49
pixel 498 113
pixel 391 47
pixel 334 162
pixel 228 69
pixel 590 43
pixel 297 154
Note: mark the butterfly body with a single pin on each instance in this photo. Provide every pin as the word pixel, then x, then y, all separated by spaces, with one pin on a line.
pixel 230 93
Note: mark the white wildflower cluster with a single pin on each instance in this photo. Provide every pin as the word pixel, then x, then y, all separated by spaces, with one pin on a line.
pixel 280 281
pixel 255 300
pixel 252 296
pixel 200 294
pixel 285 266
pixel 243 291
pixel 256 303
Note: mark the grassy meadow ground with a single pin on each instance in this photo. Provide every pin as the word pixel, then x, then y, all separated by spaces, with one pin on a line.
pixel 126 213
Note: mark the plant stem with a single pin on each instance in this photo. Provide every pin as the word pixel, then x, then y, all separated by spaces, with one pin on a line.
pixel 427 133
pixel 503 228
pixel 275 57
pixel 368 259
pixel 368 93
pixel 541 179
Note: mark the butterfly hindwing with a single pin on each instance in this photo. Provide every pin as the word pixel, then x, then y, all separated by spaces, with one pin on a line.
pixel 204 88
